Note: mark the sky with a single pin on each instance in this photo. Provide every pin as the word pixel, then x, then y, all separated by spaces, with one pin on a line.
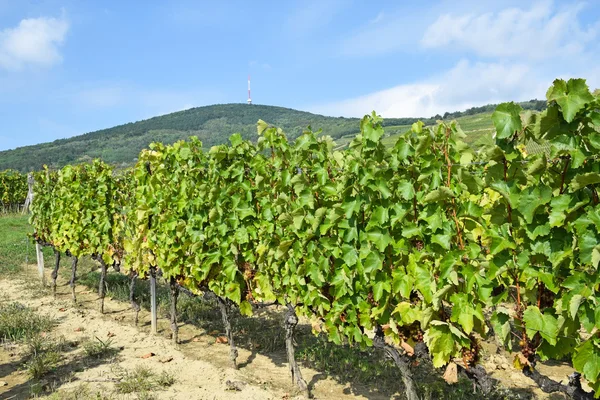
pixel 69 67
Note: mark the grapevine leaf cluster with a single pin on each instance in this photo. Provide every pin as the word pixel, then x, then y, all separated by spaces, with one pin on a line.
pixel 428 241
pixel 13 189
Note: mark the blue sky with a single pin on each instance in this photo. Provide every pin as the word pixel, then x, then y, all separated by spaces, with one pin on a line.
pixel 70 67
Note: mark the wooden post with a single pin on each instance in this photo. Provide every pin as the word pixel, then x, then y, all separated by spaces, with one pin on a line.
pixel 40 262
pixel 153 299
pixel 29 199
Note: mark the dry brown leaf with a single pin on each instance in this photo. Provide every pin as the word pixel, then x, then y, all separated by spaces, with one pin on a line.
pixel 316 325
pixel 196 339
pixel 110 334
pixel 451 374
pixel 80 329
pixel 165 360
pixel 221 339
pixel 62 309
pixel 408 349
pixel 520 361
pixel 148 355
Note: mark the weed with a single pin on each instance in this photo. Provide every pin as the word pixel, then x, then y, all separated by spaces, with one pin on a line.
pixel 145 396
pixel 44 357
pixel 141 379
pixel 165 379
pixel 18 322
pixel 82 392
pixel 99 348
pixel 43 354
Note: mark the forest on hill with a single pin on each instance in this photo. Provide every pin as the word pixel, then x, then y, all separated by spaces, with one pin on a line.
pixel 213 125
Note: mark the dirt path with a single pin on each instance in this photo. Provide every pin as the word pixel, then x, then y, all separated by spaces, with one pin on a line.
pixel 200 366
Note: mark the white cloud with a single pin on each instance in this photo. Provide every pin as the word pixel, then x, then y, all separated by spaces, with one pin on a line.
pixel 35 41
pixel 466 85
pixel 539 32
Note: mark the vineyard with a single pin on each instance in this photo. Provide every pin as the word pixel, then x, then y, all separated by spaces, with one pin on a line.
pixel 423 249
pixel 13 191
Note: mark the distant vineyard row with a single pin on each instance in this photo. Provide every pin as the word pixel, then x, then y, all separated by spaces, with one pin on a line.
pixel 416 243
pixel 13 190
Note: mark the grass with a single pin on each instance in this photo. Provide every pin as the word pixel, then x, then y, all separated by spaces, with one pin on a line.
pixel 82 392
pixel 15 246
pixel 99 349
pixel 43 361
pixel 18 322
pixel 43 354
pixel 142 380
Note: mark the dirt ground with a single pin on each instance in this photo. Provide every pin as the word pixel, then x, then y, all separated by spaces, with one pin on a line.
pixel 201 366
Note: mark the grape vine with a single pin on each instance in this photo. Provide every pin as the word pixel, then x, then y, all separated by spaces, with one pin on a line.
pixel 402 248
pixel 13 190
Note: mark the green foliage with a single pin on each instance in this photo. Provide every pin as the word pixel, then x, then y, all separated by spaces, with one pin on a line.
pixel 545 216
pixel 43 355
pixel 13 190
pixel 143 380
pixel 417 239
pixel 79 210
pixel 18 322
pixel 121 145
pixel 14 246
pixel 212 124
pixel 507 119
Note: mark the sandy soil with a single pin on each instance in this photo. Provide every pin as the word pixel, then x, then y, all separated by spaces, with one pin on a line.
pixel 201 366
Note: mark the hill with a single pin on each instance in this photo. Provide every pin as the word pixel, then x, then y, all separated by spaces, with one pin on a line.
pixel 212 124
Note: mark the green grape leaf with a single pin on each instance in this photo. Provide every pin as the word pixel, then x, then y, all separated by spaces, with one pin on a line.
pixel 501 323
pixel 587 359
pixel 571 96
pixel 507 119
pixel 582 180
pixel 246 308
pixel 440 341
pixel 440 194
pixel 349 255
pixel 545 324
pixel 373 262
pixel 533 198
pixel 406 190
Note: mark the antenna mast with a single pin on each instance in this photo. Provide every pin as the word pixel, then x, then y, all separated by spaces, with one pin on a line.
pixel 249 98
